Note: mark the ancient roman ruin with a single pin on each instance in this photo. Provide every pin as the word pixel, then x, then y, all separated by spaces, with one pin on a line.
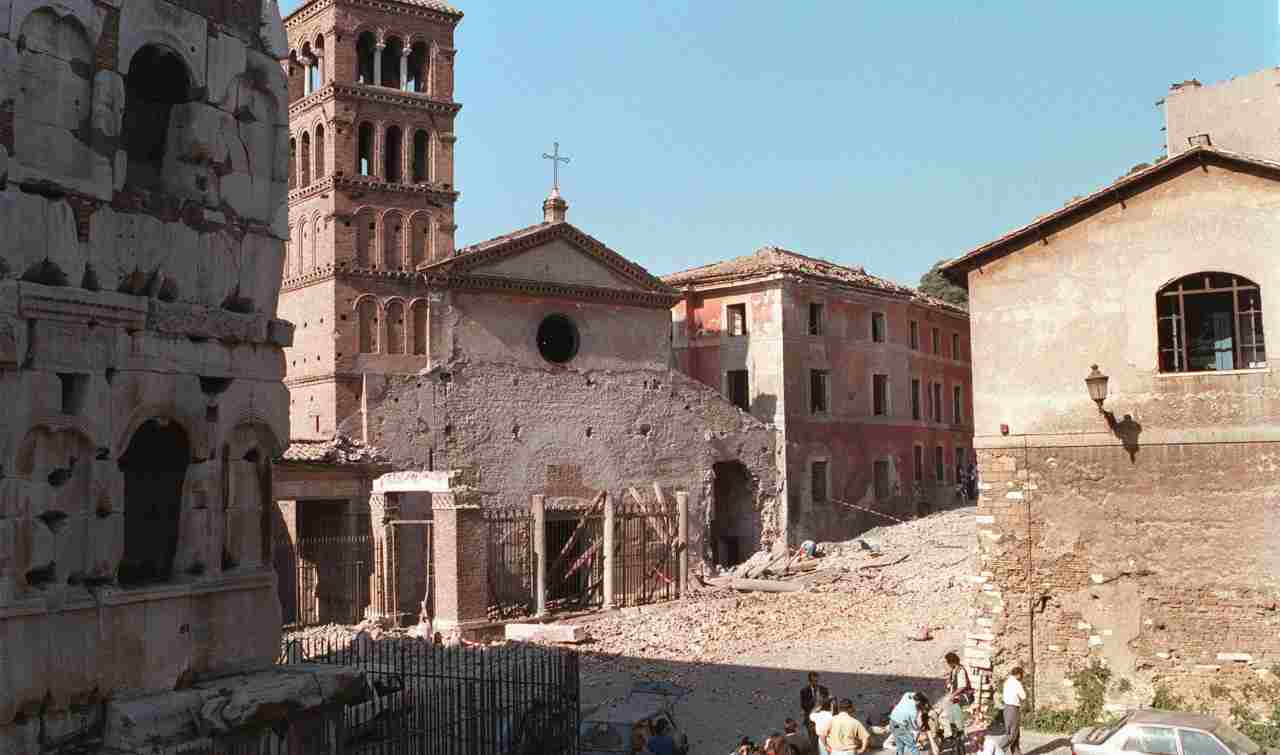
pixel 143 158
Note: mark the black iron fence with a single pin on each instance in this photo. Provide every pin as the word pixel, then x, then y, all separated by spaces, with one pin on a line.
pixel 645 569
pixel 575 561
pixel 324 580
pixel 511 699
pixel 511 562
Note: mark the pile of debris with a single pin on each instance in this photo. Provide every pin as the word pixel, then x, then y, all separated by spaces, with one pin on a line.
pixel 811 565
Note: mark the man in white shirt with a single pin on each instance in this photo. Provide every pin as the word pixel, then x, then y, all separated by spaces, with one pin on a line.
pixel 1014 694
pixel 821 720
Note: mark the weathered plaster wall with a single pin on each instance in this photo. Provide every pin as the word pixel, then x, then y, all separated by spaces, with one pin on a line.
pixel 778 353
pixel 125 305
pixel 614 417
pixel 1239 114
pixel 1152 548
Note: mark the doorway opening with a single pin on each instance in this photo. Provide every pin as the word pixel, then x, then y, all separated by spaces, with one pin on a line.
pixel 155 468
pixel 734 532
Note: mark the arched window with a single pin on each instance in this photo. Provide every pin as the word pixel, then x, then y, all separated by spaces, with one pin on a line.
pixel 365 50
pixel 417 68
pixel 1210 321
pixel 297 86
pixel 392 62
pixel 419 239
pixel 420 154
pixel 295 245
pixel 157 81
pixel 304 157
pixel 293 164
pixel 366 227
pixel 364 150
pixel 367 325
pixel 317 68
pixel 395 328
pixel 393 154
pixel 420 327
pixel 305 246
pixel 320 152
pixel 392 256
pixel 313 259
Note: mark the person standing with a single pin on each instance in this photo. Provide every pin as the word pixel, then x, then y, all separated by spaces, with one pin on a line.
pixel 959 695
pixel 905 722
pixel 820 723
pixel 847 735
pixel 800 740
pixel 1014 695
pixel 809 697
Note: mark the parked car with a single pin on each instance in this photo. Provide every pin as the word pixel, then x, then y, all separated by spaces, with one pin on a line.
pixel 619 727
pixel 1159 732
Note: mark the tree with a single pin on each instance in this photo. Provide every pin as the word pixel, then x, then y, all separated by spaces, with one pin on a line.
pixel 934 284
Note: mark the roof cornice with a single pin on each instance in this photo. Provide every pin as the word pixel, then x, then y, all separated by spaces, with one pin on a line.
pixel 502 284
pixel 362 184
pixel 370 93
pixel 1117 192
pixel 309 10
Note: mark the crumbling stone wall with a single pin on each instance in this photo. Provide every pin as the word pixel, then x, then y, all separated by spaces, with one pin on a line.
pixel 1145 537
pixel 138 290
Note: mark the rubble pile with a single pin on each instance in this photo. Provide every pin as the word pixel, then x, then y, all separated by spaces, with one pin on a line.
pixel 914 570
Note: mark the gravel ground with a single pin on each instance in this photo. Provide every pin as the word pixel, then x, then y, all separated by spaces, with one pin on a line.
pixel 744 656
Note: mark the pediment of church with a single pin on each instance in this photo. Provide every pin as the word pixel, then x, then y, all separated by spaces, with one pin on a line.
pixel 557 261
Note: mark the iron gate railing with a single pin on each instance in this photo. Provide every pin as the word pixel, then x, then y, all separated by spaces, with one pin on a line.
pixel 511 699
pixel 646 566
pixel 575 561
pixel 324 580
pixel 511 564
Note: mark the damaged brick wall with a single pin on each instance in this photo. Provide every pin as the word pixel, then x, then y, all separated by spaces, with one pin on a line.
pixel 520 430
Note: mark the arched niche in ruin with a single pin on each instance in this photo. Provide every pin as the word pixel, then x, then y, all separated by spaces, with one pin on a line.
pixel 395 327
pixel 63 518
pixel 155 468
pixel 158 79
pixel 54 94
pixel 248 454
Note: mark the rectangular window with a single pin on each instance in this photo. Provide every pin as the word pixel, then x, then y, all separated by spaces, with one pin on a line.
pixel 915 398
pixel 880 395
pixel 960 458
pixel 877 327
pixel 937 341
pixel 939 465
pixel 738 385
pixel 883 487
pixel 955 346
pixel 819 393
pixel 817 315
pixel 957 406
pixel 915 335
pixel 819 481
pixel 917 466
pixel 737 314
pixel 936 402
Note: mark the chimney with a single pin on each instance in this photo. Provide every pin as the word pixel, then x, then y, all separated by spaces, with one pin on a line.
pixel 554 208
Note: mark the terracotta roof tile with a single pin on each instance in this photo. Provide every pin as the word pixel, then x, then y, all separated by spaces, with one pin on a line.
pixel 772 260
pixel 337 450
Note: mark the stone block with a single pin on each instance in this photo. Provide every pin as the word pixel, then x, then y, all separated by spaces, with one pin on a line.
pixel 196 321
pixel 1235 657
pixel 547 632
pixel 985 519
pixel 279 332
pixel 35 229
pixel 271 31
pixel 226 64
pixel 108 110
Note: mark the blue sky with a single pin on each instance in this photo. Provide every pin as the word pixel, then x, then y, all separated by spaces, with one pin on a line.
pixel 885 134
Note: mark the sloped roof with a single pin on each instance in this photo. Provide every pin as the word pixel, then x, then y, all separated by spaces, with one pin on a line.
pixel 339 449
pixel 771 260
pixel 1116 191
pixel 463 266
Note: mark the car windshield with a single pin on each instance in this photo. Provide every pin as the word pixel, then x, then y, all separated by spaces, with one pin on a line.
pixel 1104 732
pixel 1235 740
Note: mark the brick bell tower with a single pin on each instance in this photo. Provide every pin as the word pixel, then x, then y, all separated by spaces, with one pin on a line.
pixel 371 196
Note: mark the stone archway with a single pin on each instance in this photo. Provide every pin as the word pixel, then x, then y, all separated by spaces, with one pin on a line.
pixel 734 531
pixel 155 468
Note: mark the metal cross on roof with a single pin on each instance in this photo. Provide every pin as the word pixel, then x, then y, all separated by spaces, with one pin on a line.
pixel 555 159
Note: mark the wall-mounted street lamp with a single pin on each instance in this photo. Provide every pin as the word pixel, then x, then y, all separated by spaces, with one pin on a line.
pixel 1097 384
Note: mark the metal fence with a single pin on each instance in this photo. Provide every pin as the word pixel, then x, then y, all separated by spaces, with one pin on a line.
pixel 511 699
pixel 511 562
pixel 575 562
pixel 645 569
pixel 324 580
